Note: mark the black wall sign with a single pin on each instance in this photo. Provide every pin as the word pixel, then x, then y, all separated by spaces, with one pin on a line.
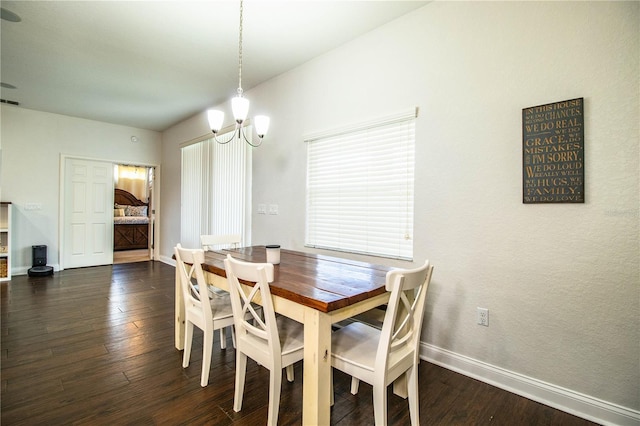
pixel 553 153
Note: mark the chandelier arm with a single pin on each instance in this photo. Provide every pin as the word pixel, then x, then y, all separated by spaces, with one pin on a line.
pixel 242 135
pixel 232 136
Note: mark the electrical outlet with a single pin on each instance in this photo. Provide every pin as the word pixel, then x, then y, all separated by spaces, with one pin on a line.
pixel 483 317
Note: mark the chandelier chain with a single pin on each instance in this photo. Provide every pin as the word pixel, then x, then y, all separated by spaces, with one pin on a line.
pixel 240 53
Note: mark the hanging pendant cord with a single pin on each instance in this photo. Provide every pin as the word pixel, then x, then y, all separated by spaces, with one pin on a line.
pixel 240 54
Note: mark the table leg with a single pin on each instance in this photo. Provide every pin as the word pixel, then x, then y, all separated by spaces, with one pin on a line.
pixel 179 325
pixel 317 368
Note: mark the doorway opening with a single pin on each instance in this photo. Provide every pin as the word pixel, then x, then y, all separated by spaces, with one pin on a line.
pixel 134 213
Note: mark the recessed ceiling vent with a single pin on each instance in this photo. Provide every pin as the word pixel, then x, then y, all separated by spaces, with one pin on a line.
pixel 5 101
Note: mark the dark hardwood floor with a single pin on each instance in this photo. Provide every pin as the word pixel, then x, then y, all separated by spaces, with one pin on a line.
pixel 95 346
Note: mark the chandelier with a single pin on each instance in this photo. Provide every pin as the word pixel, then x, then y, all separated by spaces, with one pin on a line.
pixel 240 109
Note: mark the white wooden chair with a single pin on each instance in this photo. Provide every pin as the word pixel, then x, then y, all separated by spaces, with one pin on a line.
pixel 213 242
pixel 274 342
pixel 379 357
pixel 206 310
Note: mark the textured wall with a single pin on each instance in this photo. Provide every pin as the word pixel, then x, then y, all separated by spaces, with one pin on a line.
pixel 561 281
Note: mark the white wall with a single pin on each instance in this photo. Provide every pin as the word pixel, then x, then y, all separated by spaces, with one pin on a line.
pixel 562 282
pixel 32 144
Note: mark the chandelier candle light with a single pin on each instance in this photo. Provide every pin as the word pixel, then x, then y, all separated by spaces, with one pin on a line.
pixel 240 108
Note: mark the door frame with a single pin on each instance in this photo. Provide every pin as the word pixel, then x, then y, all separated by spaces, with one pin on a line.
pixel 155 193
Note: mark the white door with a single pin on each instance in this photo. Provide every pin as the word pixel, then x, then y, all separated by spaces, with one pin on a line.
pixel 88 213
pixel 152 210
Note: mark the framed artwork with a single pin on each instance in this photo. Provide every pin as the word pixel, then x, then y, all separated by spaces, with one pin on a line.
pixel 553 153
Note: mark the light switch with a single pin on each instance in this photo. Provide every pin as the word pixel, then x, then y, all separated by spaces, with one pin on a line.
pixel 33 206
pixel 273 209
pixel 262 209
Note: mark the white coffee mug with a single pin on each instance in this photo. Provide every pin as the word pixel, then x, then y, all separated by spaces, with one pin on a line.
pixel 273 254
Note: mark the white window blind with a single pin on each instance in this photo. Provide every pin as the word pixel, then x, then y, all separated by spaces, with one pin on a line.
pixel 360 188
pixel 194 194
pixel 216 184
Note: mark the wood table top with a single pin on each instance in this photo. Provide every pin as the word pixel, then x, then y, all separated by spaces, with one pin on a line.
pixel 321 282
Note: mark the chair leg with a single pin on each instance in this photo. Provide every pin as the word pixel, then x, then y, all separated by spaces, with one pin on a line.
pixel 207 348
pixel 241 370
pixel 275 385
pixel 380 405
pixel 289 371
pixel 331 396
pixel 233 335
pixel 223 338
pixel 188 338
pixel 355 384
pixel 412 388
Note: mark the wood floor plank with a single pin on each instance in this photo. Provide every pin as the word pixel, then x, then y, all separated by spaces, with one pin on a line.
pixel 94 346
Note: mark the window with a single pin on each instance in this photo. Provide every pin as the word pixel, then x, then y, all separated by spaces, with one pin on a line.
pixel 215 191
pixel 360 188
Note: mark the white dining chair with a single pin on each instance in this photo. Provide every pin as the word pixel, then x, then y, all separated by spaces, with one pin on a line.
pixel 275 342
pixel 207 311
pixel 380 356
pixel 213 242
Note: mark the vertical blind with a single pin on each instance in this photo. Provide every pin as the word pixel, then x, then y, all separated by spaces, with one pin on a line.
pixel 194 194
pixel 214 190
pixel 360 189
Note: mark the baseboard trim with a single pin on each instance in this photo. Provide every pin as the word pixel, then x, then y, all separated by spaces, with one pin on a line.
pixel 572 402
pixel 168 260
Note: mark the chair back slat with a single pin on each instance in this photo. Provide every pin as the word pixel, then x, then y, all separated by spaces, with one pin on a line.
pixel 253 323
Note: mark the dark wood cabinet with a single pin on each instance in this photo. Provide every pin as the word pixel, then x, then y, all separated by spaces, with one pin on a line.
pixel 127 237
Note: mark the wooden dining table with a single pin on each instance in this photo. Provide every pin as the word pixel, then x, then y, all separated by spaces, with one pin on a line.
pixel 315 290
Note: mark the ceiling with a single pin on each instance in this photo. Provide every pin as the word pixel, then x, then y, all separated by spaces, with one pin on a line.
pixel 152 64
